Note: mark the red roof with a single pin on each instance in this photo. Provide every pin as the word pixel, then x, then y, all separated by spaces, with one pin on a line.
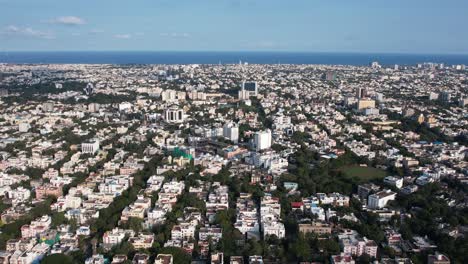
pixel 296 204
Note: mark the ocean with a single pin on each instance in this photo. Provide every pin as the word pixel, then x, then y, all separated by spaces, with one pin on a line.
pixel 186 57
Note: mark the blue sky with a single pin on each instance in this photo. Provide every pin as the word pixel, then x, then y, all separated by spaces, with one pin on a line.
pixel 401 26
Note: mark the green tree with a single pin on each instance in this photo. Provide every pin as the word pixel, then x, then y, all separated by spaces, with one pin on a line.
pixel 57 258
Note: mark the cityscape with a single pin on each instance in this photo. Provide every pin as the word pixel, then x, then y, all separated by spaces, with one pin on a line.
pixel 237 157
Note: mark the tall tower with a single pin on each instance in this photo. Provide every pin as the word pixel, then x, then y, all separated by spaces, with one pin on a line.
pixel 361 92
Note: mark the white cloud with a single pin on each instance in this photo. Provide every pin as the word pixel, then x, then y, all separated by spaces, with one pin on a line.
pixel 13 30
pixel 175 35
pixel 68 20
pixel 123 36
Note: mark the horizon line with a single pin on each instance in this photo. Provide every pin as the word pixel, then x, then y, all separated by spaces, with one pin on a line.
pixel 246 51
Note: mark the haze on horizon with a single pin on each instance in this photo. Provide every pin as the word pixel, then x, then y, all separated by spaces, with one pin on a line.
pixel 396 26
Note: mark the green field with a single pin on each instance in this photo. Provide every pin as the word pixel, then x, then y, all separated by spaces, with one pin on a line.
pixel 363 174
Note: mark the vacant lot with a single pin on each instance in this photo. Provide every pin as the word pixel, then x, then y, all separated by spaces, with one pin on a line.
pixel 363 174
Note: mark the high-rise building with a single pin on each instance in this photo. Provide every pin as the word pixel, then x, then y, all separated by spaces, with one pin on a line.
pixel 89 89
pixel 231 132
pixel 93 107
pixel 262 140
pixel 445 96
pixel 463 102
pixel 248 89
pixel 361 92
pixel 329 76
pixel 379 97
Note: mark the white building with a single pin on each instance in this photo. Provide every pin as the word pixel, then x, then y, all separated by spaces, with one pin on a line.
pixel 24 127
pixel 174 115
pixel 91 146
pixel 394 181
pixel 115 236
pixel 231 132
pixel 262 140
pixel 380 199
pixel 125 106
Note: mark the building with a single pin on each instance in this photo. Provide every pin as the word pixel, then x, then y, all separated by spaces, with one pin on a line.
pixel 433 96
pixel 394 181
pixel 438 258
pixel 115 236
pixel 89 89
pixel 96 259
pixel 316 227
pixel 247 90
pixel 262 140
pixel 255 259
pixel 93 107
pixel 379 200
pixel 354 245
pixel 463 102
pixel 3 92
pixel 375 65
pixel 371 111
pixel 250 87
pixel 342 259
pixel 365 103
pixel 164 259
pixel 217 258
pixel 174 115
pixel 236 260
pixel 361 92
pixel 364 190
pixel 91 146
pixel 445 97
pixel 231 132
pixel 48 190
pixel 379 97
pixel 329 76
pixel 24 127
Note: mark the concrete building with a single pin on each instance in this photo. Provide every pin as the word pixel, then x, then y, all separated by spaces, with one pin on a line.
pixel 247 90
pixel 231 132
pixel 361 92
pixel 394 181
pixel 365 103
pixel 174 115
pixel 380 199
pixel 262 140
pixel 316 227
pixel 438 258
pixel 91 146
pixel 24 127
pixel 164 259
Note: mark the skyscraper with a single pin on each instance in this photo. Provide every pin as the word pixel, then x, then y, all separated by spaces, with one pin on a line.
pixel 361 92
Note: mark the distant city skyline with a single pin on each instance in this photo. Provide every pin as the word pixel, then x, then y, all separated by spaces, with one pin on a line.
pixel 428 27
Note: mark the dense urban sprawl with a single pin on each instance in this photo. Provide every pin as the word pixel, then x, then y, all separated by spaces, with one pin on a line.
pixel 233 164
